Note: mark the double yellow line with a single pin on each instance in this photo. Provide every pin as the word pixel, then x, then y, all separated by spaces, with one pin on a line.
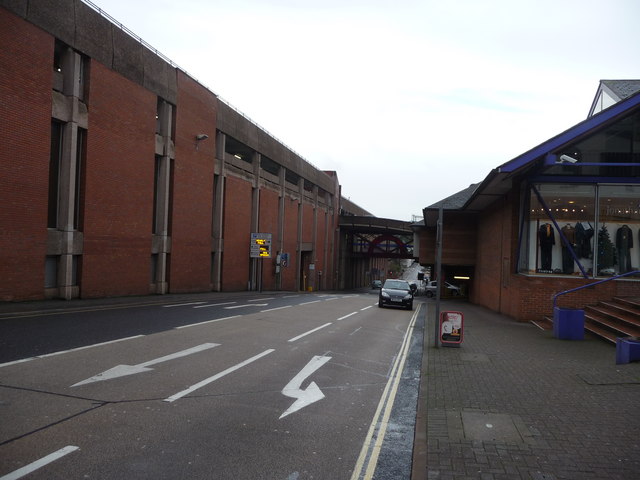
pixel 371 450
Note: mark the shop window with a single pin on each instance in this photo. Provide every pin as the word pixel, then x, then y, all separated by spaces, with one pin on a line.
pixel 572 207
pixel 595 230
pixel 619 229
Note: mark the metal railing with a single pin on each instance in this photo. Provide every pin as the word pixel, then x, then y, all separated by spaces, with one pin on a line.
pixel 555 297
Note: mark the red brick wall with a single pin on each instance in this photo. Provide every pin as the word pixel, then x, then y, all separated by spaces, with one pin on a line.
pixel 192 188
pixel 119 186
pixel 237 234
pixel 487 288
pixel 26 78
pixel 268 220
pixel 458 240
pixel 307 223
pixel 320 260
pixel 525 298
pixel 290 243
pixel 538 292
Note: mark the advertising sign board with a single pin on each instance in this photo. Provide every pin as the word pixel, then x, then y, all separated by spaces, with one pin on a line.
pixel 451 328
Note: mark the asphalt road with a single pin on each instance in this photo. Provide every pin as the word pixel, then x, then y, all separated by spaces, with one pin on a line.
pixel 277 386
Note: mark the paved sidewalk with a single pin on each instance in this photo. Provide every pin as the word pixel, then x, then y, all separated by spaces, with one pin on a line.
pixel 515 403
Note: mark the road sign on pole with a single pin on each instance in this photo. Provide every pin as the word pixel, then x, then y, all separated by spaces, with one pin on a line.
pixel 260 246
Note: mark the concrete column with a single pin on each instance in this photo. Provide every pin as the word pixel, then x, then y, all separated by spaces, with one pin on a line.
pixel 313 280
pixel 71 65
pixel 162 201
pixel 281 212
pixel 255 218
pixel 299 232
pixel 218 211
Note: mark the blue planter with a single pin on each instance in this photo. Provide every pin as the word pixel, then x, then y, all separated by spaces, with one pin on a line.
pixel 568 323
pixel 627 350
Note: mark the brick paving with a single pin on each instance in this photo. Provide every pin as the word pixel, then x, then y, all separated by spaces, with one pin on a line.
pixel 515 403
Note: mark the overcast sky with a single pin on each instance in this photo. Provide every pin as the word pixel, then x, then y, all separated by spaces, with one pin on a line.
pixel 409 101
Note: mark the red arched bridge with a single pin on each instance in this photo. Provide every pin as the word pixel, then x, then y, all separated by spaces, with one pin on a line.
pixel 376 237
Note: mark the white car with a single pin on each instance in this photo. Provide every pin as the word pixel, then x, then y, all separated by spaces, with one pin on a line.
pixel 432 287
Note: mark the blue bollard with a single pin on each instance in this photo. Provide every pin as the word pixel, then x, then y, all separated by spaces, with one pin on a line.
pixel 568 323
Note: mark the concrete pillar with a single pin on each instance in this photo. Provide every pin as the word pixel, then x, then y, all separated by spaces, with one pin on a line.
pixel 67 180
pixel 255 219
pixel 165 116
pixel 218 213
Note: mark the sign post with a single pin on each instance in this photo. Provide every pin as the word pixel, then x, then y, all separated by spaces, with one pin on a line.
pixel 260 247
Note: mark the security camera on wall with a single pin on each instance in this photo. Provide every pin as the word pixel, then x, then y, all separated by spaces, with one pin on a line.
pixel 567 159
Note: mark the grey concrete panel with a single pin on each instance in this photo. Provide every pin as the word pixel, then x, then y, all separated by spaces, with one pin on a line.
pixel 57 18
pixel 19 7
pixel 242 129
pixel 127 56
pixel 156 76
pixel 93 35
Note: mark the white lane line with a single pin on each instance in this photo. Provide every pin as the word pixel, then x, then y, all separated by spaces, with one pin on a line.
pixel 261 299
pixel 68 351
pixel 182 304
pixel 370 449
pixel 366 308
pixel 215 304
pixel 244 306
pixel 307 303
pixel 329 299
pixel 32 467
pixel 347 316
pixel 355 331
pixel 209 380
pixel 308 333
pixel 276 308
pixel 290 296
pixel 207 321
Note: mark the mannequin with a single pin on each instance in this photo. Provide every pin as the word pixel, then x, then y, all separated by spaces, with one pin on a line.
pixel 624 242
pixel 567 260
pixel 547 240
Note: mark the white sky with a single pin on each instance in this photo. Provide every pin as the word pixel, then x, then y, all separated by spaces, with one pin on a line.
pixel 409 101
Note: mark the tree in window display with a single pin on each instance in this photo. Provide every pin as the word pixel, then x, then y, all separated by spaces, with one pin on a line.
pixel 606 253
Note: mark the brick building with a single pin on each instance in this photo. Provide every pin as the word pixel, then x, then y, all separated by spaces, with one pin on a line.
pixel 561 215
pixel 122 175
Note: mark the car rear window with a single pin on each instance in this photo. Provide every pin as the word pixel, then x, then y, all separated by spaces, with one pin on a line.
pixel 396 284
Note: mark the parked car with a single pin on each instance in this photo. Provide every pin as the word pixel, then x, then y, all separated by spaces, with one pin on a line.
pixel 396 292
pixel 376 284
pixel 432 287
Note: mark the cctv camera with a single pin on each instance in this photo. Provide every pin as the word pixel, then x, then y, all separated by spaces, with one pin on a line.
pixel 202 136
pixel 568 159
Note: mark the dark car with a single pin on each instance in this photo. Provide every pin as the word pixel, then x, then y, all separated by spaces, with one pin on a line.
pixel 376 284
pixel 396 292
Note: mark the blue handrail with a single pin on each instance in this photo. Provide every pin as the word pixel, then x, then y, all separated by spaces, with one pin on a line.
pixel 592 285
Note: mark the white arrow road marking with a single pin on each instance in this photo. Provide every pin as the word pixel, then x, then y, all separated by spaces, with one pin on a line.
pixel 309 395
pixel 123 370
